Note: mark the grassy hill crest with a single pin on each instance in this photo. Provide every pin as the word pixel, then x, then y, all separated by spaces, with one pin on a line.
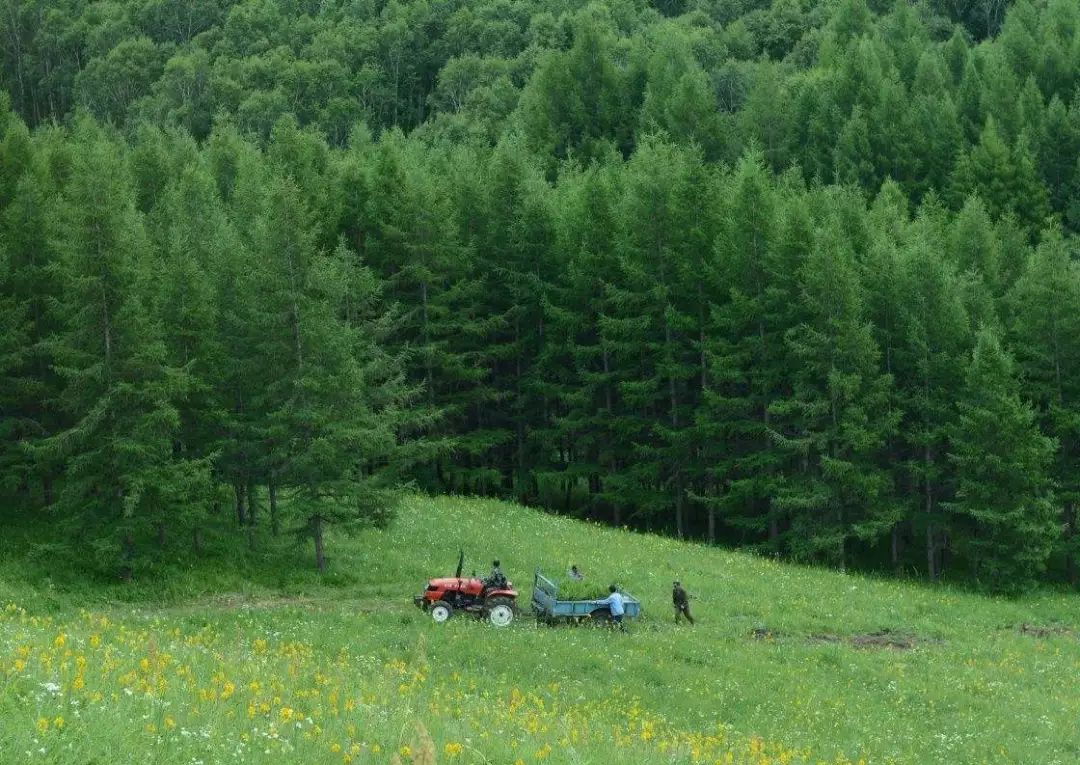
pixel 787 664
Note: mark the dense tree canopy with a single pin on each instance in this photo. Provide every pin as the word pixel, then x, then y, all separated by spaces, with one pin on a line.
pixel 794 275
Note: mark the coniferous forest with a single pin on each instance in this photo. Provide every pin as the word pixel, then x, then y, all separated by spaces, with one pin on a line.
pixel 795 275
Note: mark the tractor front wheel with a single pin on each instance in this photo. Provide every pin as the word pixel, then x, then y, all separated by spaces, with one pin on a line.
pixel 500 611
pixel 441 611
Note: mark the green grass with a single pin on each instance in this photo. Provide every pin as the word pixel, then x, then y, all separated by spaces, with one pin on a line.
pixel 220 663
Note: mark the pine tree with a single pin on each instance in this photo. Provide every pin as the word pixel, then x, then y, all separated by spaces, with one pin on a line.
pixel 1004 517
pixel 974 247
pixel 854 157
pixel 196 242
pixel 333 402
pixel 413 242
pixel 762 241
pixel 516 242
pixel 579 362
pixel 927 364
pixel 122 478
pixel 1046 326
pixel 30 286
pixel 575 104
pixel 678 98
pixel 837 418
pixel 1005 179
pixel 658 321
pixel 1058 147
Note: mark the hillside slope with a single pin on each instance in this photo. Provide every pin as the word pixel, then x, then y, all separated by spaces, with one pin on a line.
pixel 345 670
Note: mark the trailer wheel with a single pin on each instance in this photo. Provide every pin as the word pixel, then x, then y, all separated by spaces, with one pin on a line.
pixel 441 611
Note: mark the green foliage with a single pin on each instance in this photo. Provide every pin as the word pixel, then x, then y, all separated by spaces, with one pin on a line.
pixel 1003 473
pixel 713 270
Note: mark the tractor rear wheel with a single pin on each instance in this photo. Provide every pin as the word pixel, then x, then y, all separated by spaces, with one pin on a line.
pixel 441 611
pixel 500 611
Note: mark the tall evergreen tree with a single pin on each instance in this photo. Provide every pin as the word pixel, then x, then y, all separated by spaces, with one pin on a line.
pixel 934 335
pixel 121 477
pixel 579 361
pixel 762 241
pixel 1046 328
pixel 837 418
pixel 414 244
pixel 31 284
pixel 658 321
pixel 1004 516
pixel 335 403
pixel 1006 179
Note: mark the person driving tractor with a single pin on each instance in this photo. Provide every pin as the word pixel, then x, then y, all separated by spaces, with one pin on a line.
pixel 496 579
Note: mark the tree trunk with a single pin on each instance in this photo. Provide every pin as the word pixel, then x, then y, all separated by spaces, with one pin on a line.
pixel 317 533
pixel 275 522
pixel 896 548
pixel 607 382
pixel 1070 536
pixel 931 553
pixel 241 514
pixel 252 515
pixel 842 551
pixel 712 525
pixel 931 546
pixel 518 486
pixel 127 558
pixel 680 515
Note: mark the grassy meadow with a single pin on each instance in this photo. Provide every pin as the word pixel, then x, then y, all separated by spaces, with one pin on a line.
pixel 256 659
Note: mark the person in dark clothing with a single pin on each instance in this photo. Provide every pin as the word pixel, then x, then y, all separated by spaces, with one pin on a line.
pixel 497 578
pixel 681 601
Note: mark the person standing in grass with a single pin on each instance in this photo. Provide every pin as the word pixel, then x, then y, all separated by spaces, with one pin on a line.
pixel 575 574
pixel 615 603
pixel 681 601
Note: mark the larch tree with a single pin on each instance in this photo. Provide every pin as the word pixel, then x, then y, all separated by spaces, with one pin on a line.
pixel 1004 522
pixel 1046 326
pixel 122 478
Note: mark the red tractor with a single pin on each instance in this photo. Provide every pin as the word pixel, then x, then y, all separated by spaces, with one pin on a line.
pixel 491 599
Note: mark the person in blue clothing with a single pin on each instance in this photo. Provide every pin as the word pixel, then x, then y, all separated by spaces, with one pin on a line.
pixel 614 602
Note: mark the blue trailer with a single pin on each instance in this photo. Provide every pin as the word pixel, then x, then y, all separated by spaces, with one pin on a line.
pixel 548 608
